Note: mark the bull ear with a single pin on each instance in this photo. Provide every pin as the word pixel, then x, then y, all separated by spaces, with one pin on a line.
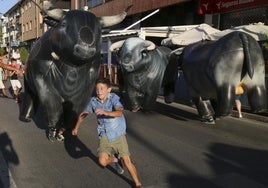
pixel 107 21
pixel 150 45
pixel 50 21
pixel 116 45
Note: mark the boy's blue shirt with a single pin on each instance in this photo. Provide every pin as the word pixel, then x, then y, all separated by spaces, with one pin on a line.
pixel 113 127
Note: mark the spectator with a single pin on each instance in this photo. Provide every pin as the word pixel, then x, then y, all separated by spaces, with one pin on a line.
pixel 238 92
pixel 15 83
pixel 2 86
pixel 5 61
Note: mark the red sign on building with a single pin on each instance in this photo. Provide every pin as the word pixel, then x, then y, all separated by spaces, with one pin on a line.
pixel 221 6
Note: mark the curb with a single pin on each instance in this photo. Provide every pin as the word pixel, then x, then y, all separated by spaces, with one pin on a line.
pixel 246 114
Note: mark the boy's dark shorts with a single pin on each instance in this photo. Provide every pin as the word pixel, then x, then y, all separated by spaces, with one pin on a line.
pixel 119 146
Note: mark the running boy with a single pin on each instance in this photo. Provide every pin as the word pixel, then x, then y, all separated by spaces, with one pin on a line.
pixel 111 128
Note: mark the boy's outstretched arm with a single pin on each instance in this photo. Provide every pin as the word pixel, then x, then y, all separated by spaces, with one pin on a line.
pixel 79 121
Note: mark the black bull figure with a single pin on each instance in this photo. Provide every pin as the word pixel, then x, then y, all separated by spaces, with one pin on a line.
pixel 212 71
pixel 146 69
pixel 63 65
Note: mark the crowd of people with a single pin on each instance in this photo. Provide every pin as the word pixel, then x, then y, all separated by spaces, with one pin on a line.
pixel 11 69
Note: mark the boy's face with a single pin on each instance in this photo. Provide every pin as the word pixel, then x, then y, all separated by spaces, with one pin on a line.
pixel 102 91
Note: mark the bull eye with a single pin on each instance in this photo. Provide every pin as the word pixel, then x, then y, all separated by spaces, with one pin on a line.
pixel 144 53
pixel 86 35
pixel 63 24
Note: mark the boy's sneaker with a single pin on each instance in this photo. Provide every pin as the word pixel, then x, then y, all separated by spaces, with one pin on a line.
pixel 60 137
pixel 118 164
pixel 51 134
pixel 119 168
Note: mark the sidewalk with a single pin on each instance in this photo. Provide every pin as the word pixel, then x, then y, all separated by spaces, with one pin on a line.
pixel 263 117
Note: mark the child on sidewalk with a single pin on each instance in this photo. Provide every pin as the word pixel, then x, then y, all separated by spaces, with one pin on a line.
pixel 15 83
pixel 111 129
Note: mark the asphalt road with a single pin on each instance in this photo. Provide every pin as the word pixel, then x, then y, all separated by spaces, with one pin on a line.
pixel 170 147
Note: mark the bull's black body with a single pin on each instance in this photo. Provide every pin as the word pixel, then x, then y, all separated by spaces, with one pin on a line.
pixel 146 71
pixel 62 68
pixel 212 71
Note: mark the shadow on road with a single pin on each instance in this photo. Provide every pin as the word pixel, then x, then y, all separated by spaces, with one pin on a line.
pixel 10 156
pixel 233 167
pixel 78 149
pixel 174 112
pixel 248 162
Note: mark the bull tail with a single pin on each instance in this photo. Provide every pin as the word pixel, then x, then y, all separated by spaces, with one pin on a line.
pixel 247 60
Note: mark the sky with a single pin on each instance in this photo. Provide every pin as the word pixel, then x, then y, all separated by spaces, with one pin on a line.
pixel 5 5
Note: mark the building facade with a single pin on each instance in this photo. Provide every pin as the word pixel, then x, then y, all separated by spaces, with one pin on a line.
pixel 11 32
pixel 23 23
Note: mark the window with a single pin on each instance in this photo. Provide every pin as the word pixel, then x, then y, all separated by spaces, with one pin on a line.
pixel 93 3
pixel 30 25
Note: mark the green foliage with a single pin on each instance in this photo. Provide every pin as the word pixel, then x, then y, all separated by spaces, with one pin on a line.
pixel 2 51
pixel 265 45
pixel 23 54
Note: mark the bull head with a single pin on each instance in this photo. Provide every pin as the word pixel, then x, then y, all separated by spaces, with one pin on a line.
pixel 150 45
pixel 134 52
pixel 53 15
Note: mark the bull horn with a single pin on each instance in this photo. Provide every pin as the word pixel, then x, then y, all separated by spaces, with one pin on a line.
pixel 116 45
pixel 107 21
pixel 150 45
pixel 55 56
pixel 48 9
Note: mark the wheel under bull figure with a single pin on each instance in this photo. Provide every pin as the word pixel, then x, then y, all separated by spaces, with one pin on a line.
pixel 63 66
pixel 213 69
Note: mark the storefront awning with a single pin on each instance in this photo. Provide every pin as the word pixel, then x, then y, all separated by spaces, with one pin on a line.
pixel 257 31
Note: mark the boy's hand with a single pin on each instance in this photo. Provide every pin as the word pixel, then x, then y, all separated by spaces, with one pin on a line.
pixel 74 132
pixel 100 111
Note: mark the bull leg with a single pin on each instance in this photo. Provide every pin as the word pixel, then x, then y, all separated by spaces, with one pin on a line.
pixel 53 109
pixel 257 98
pixel 225 100
pixel 205 109
pixel 149 100
pixel 52 105
pixel 134 100
pixel 28 108
pixel 169 80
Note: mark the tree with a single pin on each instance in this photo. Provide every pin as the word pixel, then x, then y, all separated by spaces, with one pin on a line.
pixel 2 51
pixel 23 54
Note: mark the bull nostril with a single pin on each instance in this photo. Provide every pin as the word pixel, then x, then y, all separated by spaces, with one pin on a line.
pixel 127 60
pixel 86 35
